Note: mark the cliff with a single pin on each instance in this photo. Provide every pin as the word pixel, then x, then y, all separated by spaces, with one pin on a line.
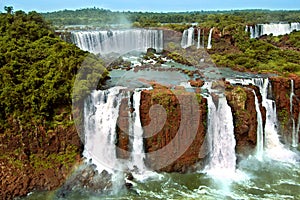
pixel 281 90
pixel 242 102
pixel 174 122
pixel 178 142
pixel 39 161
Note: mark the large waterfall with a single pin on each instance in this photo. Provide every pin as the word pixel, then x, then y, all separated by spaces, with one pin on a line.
pixel 118 41
pixel 101 113
pixel 268 139
pixel 221 140
pixel 274 148
pixel 275 29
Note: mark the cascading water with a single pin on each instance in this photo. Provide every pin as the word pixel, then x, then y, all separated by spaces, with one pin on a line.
pixel 101 111
pixel 274 148
pixel 298 128
pixel 209 46
pixel 118 41
pixel 260 131
pixel 203 39
pixel 294 131
pixel 199 38
pixel 267 139
pixel 187 38
pixel 275 29
pixel 138 153
pixel 221 140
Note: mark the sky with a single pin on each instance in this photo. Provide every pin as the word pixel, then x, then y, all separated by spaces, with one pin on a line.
pixel 150 5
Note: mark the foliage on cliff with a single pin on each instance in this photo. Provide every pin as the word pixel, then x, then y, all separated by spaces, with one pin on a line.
pixel 236 50
pixel 37 70
pixel 38 139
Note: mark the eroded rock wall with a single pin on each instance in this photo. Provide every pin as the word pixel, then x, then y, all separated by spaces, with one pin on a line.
pixel 281 91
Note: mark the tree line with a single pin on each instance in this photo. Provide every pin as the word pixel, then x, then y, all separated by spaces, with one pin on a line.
pixel 100 16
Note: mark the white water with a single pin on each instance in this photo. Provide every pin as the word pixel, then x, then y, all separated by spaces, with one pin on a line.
pixel 138 153
pixel 274 148
pixel 221 140
pixel 275 29
pixel 294 131
pixel 209 46
pixel 187 38
pixel 298 128
pixel 260 131
pixel 199 39
pixel 203 39
pixel 268 140
pixel 118 41
pixel 101 112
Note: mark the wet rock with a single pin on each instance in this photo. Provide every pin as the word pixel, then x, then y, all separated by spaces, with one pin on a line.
pixel 242 102
pixel 196 83
pixel 151 50
pixel 218 85
pixel 88 179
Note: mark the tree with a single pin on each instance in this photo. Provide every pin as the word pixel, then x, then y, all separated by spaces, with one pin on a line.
pixel 8 9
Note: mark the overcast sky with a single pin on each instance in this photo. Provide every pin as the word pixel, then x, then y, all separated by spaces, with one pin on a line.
pixel 150 5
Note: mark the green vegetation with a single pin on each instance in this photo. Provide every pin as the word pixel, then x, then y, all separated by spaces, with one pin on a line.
pixel 233 49
pixel 37 70
pixel 267 54
pixel 175 21
pixel 37 73
pixel 283 117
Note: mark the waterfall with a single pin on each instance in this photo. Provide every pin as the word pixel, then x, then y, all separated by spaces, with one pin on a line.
pixel 187 38
pixel 272 139
pixel 209 46
pixel 221 138
pixel 138 153
pixel 203 39
pixel 101 111
pixel 199 38
pixel 294 132
pixel 252 32
pixel 274 147
pixel 298 128
pixel 275 29
pixel 118 41
pixel 267 136
pixel 260 131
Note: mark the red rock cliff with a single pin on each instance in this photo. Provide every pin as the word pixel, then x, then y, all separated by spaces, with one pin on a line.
pixel 174 128
pixel 281 90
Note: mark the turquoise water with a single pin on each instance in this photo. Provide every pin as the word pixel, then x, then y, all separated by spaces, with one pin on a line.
pixel 256 180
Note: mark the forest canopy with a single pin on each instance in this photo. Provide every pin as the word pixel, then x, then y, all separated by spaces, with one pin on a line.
pixel 100 16
pixel 37 71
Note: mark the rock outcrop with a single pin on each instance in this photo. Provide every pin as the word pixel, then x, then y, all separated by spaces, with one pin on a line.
pixel 170 129
pixel 41 160
pixel 242 102
pixel 281 91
